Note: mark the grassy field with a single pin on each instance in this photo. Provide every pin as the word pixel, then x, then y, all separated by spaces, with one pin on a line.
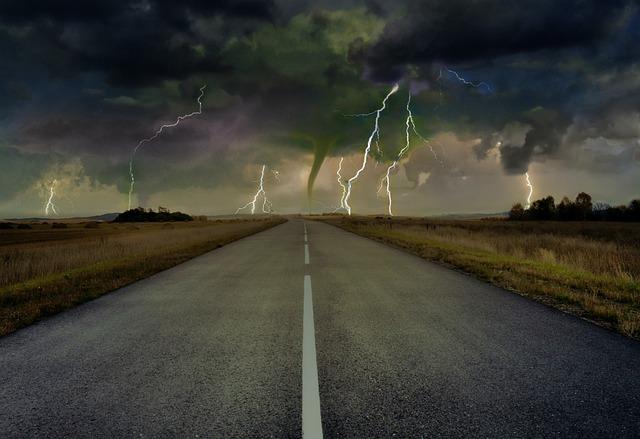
pixel 49 268
pixel 588 269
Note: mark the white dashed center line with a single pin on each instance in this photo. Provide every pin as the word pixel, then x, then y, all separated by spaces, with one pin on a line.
pixel 311 419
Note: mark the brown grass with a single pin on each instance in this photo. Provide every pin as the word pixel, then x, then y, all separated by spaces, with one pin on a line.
pixel 44 271
pixel 588 269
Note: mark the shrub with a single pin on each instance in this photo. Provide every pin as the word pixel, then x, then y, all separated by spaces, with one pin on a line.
pixel 141 215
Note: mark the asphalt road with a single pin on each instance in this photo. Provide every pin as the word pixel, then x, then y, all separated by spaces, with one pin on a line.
pixel 338 336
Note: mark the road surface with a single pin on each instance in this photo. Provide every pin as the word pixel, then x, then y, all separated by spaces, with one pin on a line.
pixel 323 333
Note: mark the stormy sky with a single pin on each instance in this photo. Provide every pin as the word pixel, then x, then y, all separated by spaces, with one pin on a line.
pixel 498 88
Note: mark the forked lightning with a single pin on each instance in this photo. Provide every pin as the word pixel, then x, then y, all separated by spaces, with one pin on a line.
pixel 375 134
pixel 526 174
pixel 267 206
pixel 155 136
pixel 466 82
pixel 342 186
pixel 387 178
pixel 50 205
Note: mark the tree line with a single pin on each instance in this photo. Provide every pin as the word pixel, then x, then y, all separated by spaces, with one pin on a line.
pixel 582 209
pixel 142 215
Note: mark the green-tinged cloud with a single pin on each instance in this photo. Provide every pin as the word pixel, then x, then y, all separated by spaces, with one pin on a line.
pixel 306 65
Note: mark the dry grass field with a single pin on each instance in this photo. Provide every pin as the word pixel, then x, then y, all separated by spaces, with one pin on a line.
pixel 49 268
pixel 586 268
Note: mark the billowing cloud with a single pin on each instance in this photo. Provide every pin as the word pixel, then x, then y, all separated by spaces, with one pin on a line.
pixel 461 30
pixel 83 83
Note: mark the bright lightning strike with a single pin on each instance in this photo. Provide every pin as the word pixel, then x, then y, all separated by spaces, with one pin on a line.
pixel 49 205
pixel 374 134
pixel 371 113
pixel 526 174
pixel 267 206
pixel 342 186
pixel 386 181
pixel 466 82
pixel 415 131
pixel 155 136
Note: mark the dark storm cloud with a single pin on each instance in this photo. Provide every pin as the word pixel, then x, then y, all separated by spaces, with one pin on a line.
pixel 544 138
pixel 58 10
pixel 137 42
pixel 535 53
pixel 18 169
pixel 462 30
pixel 594 124
pixel 262 9
pixel 100 10
pixel 87 79
pixel 276 71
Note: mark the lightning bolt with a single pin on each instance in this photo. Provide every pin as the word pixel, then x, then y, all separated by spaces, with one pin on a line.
pixel 469 83
pixel 49 205
pixel 156 135
pixel 342 186
pixel 267 206
pixel 526 174
pixel 374 134
pixel 371 113
pixel 415 131
pixel 386 181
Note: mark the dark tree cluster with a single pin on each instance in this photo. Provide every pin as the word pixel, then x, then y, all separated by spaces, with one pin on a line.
pixel 141 215
pixel 582 209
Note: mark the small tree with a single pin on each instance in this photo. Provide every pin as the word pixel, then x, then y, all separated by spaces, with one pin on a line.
pixel 567 210
pixel 633 211
pixel 584 205
pixel 543 209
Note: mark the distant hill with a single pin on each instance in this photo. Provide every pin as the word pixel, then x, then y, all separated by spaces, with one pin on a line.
pixel 470 216
pixel 103 217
